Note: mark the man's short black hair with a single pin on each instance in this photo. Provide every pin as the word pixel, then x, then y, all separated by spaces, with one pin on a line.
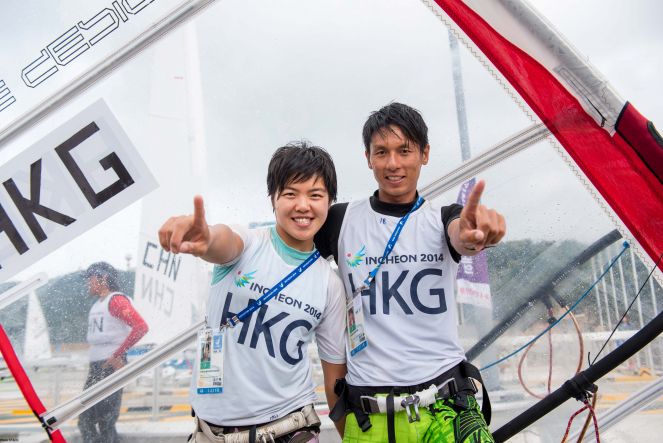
pixel 297 162
pixel 404 117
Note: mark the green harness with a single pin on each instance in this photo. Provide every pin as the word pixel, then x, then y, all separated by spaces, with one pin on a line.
pixel 442 422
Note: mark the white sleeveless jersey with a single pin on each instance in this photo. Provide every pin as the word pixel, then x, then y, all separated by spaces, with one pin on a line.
pixel 409 309
pixel 267 371
pixel 105 333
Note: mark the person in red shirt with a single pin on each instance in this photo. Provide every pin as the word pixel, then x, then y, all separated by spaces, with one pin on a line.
pixel 114 326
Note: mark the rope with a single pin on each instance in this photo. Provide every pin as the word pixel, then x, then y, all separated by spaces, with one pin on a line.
pixel 589 419
pixel 591 415
pixel 520 374
pixel 583 382
pixel 581 342
pixel 550 367
pixel 522 360
pixel 550 360
pixel 627 309
pixel 626 246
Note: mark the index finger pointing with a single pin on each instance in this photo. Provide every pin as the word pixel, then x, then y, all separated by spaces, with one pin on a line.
pixel 474 198
pixel 198 211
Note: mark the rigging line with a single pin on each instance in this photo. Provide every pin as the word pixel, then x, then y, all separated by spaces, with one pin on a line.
pixel 550 360
pixel 581 342
pixel 522 359
pixel 551 319
pixel 590 416
pixel 626 312
pixel 626 246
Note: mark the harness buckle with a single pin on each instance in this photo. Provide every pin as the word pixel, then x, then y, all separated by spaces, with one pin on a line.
pixel 474 386
pixel 369 404
pixel 448 389
pixel 412 400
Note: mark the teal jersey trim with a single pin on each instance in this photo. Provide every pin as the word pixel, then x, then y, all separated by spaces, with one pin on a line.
pixel 220 272
pixel 291 256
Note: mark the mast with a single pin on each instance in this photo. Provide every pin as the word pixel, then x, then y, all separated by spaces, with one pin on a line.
pixel 472 271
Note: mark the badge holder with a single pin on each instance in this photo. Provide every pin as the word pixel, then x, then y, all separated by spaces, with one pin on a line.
pixel 211 348
pixel 356 327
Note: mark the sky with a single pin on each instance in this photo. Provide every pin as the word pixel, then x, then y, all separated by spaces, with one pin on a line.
pixel 272 72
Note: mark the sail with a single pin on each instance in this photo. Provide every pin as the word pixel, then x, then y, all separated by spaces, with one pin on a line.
pixel 520 46
pixel 170 99
pixel 37 342
pixel 171 289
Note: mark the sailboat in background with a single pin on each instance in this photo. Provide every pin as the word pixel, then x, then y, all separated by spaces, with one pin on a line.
pixel 37 344
pixel 171 289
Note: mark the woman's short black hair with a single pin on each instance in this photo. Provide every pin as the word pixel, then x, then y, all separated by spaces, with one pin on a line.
pixel 112 284
pixel 297 162
pixel 404 117
pixel 100 270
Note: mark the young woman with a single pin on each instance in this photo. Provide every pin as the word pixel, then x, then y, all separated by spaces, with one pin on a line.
pixel 114 326
pixel 267 392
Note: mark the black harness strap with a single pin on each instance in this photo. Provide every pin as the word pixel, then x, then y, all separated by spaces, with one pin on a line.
pixel 363 420
pixel 468 370
pixel 349 397
pixel 345 404
pixel 391 431
pixel 252 434
pixel 341 406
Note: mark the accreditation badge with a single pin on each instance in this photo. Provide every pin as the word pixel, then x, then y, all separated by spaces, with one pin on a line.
pixel 210 361
pixel 356 327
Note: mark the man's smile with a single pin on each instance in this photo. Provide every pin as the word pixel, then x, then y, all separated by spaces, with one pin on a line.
pixel 395 179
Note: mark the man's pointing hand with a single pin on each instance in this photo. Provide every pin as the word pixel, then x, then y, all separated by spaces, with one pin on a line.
pixel 479 227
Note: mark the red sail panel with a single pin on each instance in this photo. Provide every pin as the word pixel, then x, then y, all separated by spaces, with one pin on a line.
pixel 641 135
pixel 613 167
pixel 23 382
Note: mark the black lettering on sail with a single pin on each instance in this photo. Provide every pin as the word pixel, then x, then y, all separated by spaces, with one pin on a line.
pixel 29 207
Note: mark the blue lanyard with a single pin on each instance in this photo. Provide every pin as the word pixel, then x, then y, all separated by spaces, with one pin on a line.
pixel 232 322
pixel 390 245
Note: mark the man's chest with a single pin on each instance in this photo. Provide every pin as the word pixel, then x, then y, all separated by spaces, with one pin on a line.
pixel 415 278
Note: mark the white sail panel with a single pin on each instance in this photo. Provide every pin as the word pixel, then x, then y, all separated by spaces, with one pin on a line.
pixel 37 341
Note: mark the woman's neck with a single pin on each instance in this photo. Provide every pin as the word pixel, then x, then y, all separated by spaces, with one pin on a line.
pixel 294 243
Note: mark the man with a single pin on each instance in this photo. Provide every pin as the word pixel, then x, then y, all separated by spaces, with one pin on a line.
pixel 114 327
pixel 408 308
